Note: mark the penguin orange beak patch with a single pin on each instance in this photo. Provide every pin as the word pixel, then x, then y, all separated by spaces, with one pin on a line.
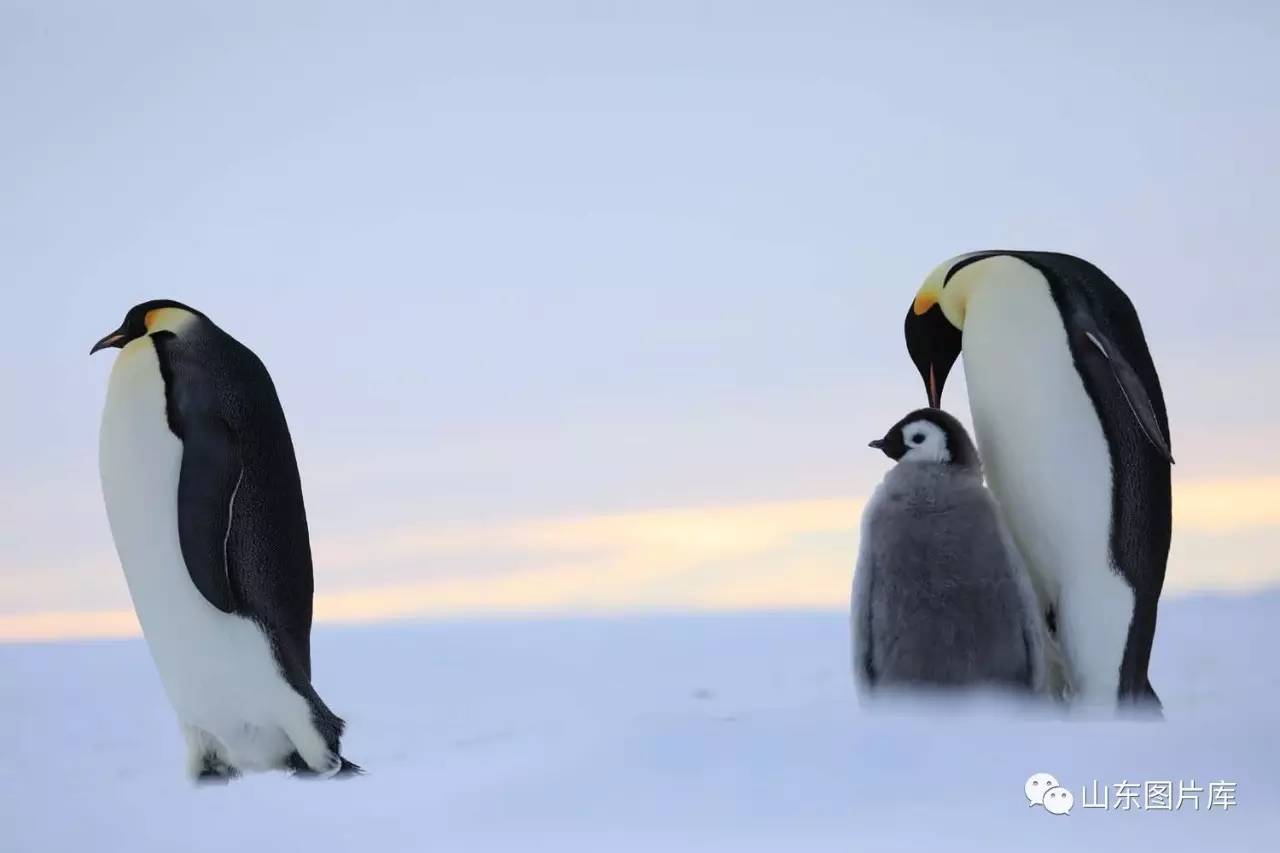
pixel 114 339
pixel 924 301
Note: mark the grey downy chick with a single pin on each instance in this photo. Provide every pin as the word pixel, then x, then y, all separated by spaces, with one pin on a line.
pixel 941 598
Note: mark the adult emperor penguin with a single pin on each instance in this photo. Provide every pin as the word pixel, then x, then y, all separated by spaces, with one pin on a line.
pixel 205 506
pixel 940 595
pixel 1071 423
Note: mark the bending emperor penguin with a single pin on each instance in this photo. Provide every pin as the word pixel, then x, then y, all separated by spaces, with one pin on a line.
pixel 205 506
pixel 940 596
pixel 1071 422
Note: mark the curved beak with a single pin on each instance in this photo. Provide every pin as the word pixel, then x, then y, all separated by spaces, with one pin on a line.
pixel 933 343
pixel 878 444
pixel 116 339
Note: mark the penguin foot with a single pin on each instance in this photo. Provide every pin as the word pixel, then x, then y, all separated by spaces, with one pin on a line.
pixel 214 771
pixel 337 767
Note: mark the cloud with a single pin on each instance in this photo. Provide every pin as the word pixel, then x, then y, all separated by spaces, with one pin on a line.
pixel 1223 506
pixel 761 555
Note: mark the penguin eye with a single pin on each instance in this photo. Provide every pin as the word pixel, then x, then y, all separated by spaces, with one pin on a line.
pixel 918 438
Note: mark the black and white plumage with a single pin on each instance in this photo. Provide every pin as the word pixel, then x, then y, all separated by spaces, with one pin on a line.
pixel 940 596
pixel 205 506
pixel 1070 417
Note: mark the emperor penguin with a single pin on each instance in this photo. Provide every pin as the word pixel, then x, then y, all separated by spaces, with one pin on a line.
pixel 940 596
pixel 1071 422
pixel 205 506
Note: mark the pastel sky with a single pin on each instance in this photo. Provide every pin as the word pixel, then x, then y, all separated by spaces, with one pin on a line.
pixel 581 307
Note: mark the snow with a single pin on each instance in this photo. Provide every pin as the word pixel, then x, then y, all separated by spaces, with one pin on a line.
pixel 672 732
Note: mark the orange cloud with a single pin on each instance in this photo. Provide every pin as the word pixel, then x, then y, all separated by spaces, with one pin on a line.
pixel 765 555
pixel 67 625
pixel 1220 506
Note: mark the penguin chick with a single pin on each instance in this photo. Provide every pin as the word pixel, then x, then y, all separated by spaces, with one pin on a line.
pixel 940 595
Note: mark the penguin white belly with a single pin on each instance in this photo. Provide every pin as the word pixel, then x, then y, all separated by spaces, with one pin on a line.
pixel 1047 460
pixel 217 668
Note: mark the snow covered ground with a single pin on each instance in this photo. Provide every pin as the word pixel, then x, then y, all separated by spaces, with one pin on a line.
pixel 686 732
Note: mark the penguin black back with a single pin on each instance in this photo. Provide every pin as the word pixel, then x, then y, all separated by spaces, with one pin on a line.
pixel 224 407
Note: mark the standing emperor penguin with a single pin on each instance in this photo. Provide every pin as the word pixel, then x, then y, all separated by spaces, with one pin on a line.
pixel 205 506
pixel 1071 423
pixel 940 595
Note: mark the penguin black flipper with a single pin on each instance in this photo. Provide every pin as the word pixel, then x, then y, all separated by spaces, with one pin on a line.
pixel 211 471
pixel 1134 394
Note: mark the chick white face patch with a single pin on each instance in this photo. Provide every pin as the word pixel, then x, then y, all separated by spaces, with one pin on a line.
pixel 925 442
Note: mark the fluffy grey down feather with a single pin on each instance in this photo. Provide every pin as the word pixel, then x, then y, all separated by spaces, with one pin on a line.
pixel 940 595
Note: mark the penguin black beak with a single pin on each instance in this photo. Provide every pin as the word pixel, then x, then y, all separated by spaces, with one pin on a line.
pixel 891 445
pixel 115 339
pixel 934 346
